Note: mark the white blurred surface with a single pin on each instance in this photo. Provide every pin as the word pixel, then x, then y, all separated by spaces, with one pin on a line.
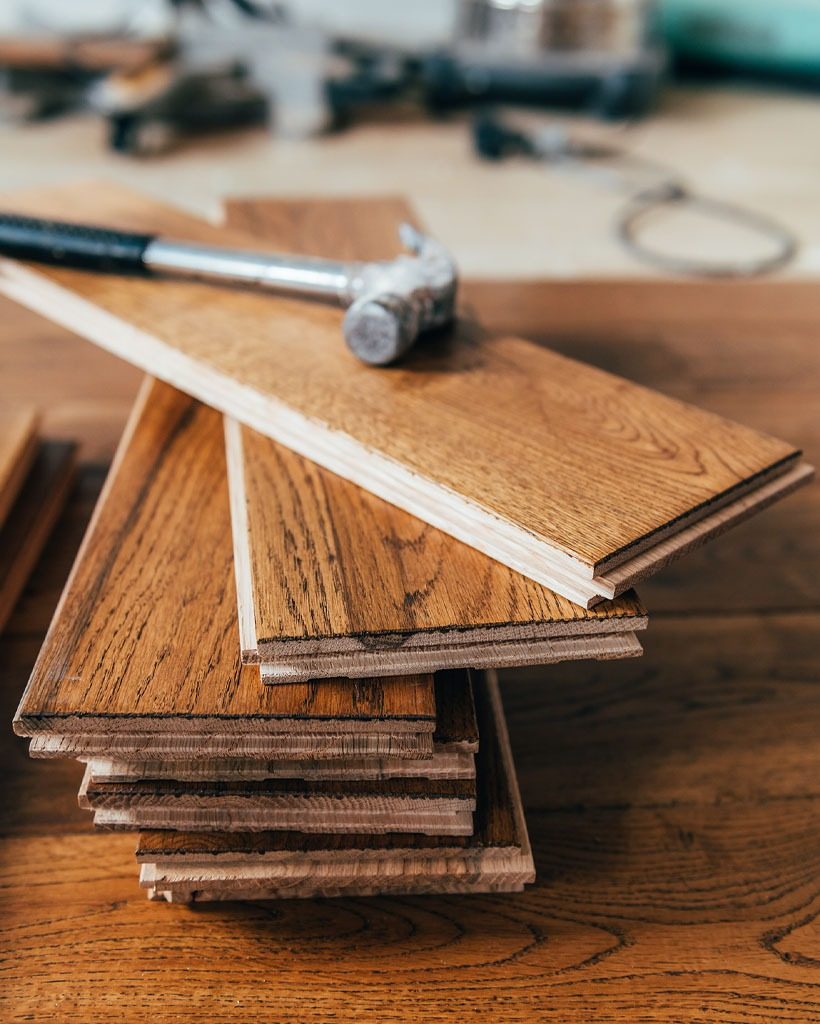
pixel 513 219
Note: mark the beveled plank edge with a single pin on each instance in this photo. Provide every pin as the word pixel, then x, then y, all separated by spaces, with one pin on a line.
pixel 446 823
pixel 442 764
pixel 596 647
pixel 240 532
pixel 693 536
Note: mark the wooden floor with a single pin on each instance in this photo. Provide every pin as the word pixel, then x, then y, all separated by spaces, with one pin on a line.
pixel 673 801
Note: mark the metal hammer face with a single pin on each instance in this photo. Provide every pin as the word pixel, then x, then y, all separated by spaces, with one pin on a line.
pixel 391 302
pixel 394 301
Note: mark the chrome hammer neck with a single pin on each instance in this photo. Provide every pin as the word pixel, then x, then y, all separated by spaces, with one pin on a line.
pixel 298 274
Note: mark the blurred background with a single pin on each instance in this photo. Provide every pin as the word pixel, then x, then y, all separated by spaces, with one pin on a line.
pixel 556 138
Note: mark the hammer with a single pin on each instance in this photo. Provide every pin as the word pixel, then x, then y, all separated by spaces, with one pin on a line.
pixel 389 302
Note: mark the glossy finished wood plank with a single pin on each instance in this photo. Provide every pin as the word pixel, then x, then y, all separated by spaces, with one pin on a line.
pixel 18 448
pixel 27 527
pixel 331 580
pixel 465 435
pixel 157 561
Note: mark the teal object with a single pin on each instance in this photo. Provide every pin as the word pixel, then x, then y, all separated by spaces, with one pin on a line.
pixel 774 36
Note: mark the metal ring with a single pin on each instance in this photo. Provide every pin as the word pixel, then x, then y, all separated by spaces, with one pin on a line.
pixel 672 193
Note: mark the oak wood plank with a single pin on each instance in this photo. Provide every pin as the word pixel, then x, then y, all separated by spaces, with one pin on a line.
pixel 333 570
pixel 18 448
pixel 466 430
pixel 27 527
pixel 157 562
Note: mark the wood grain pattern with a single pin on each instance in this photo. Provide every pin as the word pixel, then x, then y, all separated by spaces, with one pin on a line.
pixel 18 447
pixel 463 436
pixel 157 561
pixel 27 527
pixel 324 568
pixel 671 800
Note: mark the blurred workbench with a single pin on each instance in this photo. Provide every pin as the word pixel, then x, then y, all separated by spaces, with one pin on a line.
pixel 759 148
pixel 673 801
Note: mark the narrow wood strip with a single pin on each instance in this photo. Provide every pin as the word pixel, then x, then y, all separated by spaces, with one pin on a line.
pixel 18 448
pixel 326 821
pixel 26 529
pixel 510 448
pixel 201 746
pixel 441 765
pixel 157 560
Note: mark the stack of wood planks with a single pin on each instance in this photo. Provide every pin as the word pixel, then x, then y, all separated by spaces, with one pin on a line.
pixel 276 650
pixel 35 477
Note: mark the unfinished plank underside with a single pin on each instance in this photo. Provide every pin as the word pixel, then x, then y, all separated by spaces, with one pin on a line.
pixel 512 654
pixel 559 470
pixel 334 581
pixel 496 857
pixel 451 755
pixel 157 560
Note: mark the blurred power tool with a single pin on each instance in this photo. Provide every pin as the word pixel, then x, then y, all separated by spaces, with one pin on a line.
pixel 598 56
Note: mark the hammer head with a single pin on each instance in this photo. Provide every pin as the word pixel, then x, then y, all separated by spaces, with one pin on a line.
pixel 395 301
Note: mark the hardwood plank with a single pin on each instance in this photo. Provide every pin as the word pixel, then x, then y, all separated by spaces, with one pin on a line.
pixel 437 436
pixel 157 561
pixel 18 448
pixel 32 518
pixel 333 581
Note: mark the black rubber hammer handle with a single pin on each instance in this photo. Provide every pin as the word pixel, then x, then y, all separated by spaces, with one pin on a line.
pixel 72 245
